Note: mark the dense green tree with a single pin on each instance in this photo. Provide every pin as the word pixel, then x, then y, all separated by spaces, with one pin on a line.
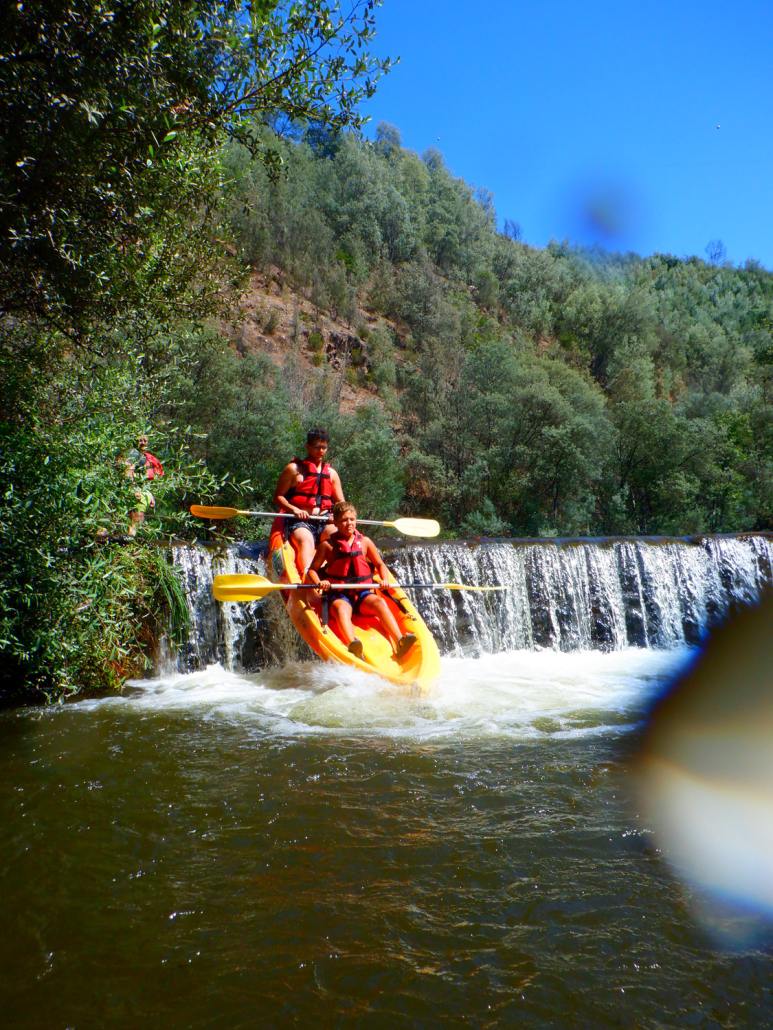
pixel 367 457
pixel 527 433
pixel 242 410
pixel 693 338
pixel 113 118
pixel 76 613
pixel 111 111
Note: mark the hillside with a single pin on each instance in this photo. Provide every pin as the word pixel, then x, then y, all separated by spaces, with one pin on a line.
pixel 522 390
pixel 463 375
pixel 280 322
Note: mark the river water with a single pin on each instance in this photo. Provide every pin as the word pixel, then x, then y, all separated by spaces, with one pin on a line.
pixel 307 844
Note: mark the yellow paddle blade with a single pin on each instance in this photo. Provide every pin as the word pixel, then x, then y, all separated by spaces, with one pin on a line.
pixel 243 587
pixel 416 527
pixel 205 511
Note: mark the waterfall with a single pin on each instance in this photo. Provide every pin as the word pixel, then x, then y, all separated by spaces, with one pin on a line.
pixel 578 595
pixel 565 595
pixel 241 637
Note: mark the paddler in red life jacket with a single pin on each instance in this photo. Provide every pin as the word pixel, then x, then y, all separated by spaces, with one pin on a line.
pixel 349 557
pixel 308 486
pixel 141 464
pixel 147 464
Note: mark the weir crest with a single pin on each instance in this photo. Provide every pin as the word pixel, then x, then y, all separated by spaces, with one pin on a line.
pixel 606 594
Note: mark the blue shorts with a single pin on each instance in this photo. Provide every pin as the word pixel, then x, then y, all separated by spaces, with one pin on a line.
pixel 354 598
pixel 315 526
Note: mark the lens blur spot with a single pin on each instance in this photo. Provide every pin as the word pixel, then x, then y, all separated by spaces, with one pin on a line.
pixel 705 773
pixel 602 211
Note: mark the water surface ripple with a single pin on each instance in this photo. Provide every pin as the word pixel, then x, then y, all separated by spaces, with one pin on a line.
pixel 316 846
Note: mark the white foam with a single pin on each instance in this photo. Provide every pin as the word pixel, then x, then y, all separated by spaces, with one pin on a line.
pixel 518 694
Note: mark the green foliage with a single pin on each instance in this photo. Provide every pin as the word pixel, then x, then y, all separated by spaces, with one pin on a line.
pixel 243 412
pixel 573 391
pixel 367 458
pixel 113 120
pixel 270 322
pixel 76 613
pixel 382 361
pixel 134 102
pixel 123 601
pixel 484 521
pixel 527 433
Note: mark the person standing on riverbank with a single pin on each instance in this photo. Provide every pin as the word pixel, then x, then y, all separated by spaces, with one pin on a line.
pixel 142 459
pixel 307 487
pixel 142 465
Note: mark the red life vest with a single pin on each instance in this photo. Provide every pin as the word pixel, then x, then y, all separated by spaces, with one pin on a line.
pixel 315 489
pixel 347 563
pixel 153 467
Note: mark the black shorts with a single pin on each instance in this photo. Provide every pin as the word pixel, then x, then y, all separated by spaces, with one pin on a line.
pixel 315 526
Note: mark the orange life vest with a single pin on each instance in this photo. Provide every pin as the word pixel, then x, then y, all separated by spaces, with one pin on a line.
pixel 315 489
pixel 153 467
pixel 347 563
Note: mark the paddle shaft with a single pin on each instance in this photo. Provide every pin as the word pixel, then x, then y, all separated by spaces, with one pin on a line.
pixel 407 526
pixel 383 586
pixel 290 515
pixel 250 587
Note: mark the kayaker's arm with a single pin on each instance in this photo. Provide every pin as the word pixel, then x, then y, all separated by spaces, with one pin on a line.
pixel 287 481
pixel 338 490
pixel 312 573
pixel 373 555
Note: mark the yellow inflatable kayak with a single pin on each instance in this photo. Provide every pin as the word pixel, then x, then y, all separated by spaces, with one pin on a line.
pixel 420 667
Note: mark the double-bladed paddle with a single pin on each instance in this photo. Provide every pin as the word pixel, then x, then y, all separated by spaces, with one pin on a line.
pixel 407 526
pixel 250 587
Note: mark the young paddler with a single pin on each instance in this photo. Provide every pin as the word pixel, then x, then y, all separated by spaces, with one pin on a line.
pixel 308 486
pixel 349 557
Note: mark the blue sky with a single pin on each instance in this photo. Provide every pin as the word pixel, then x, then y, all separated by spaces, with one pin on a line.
pixel 596 121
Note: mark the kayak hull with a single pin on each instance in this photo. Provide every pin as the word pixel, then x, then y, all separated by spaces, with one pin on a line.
pixel 419 668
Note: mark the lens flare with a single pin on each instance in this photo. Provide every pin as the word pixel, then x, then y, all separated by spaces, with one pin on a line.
pixel 705 770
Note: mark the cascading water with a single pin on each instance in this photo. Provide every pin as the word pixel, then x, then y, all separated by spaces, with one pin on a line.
pixel 238 636
pixel 605 595
pixel 567 596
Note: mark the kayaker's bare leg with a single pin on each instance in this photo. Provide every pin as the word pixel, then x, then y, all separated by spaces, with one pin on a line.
pixel 328 531
pixel 343 612
pixel 303 545
pixel 377 606
pixel 373 604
